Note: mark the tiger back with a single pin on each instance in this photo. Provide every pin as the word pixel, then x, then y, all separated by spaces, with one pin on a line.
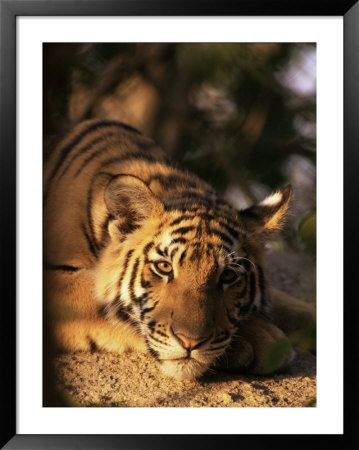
pixel 140 254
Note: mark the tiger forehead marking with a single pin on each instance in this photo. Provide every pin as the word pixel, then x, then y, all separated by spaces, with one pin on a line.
pixel 166 258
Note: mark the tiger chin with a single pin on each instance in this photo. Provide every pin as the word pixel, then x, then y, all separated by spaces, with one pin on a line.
pixel 140 255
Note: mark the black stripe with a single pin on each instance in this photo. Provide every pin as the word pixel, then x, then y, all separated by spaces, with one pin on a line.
pixel 196 254
pixel 122 315
pixel 125 264
pixel 83 150
pixel 132 156
pixel 147 310
pixel 171 180
pixel 132 280
pixel 170 277
pixel 188 203
pixel 141 300
pixel 89 241
pixel 185 208
pixel 160 252
pixel 62 267
pixel 229 226
pixel 104 230
pixel 155 273
pixel 147 248
pixel 144 283
pixel 153 338
pixel 199 231
pixel 229 220
pixel 195 208
pixel 173 252
pixel 198 195
pixel 181 218
pixel 124 312
pixel 180 240
pixel 91 157
pixel 234 233
pixel 76 140
pixel 182 257
pixel 153 352
pixel 183 230
pixel 222 235
pixel 206 219
pixel 89 215
pixel 243 262
pixel 161 333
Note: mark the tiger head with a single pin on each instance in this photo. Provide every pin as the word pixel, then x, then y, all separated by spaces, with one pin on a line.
pixel 184 270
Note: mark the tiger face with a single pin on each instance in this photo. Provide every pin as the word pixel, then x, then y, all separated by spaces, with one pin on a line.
pixel 183 271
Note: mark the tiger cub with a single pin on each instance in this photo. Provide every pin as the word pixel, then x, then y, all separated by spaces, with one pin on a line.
pixel 142 255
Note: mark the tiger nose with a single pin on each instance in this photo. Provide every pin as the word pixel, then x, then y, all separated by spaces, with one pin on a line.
pixel 189 343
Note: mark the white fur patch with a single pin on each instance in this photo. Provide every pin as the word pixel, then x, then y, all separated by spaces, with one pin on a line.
pixel 166 239
pixel 272 199
pixel 187 369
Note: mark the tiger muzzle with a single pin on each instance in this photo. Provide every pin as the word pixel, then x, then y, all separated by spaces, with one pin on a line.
pixel 193 321
pixel 190 343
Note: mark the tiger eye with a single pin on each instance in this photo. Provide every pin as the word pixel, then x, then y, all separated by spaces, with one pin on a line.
pixel 163 267
pixel 228 276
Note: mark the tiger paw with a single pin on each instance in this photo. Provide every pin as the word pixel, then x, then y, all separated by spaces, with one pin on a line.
pixel 259 348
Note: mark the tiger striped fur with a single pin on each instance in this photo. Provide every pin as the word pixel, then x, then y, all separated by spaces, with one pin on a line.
pixel 139 254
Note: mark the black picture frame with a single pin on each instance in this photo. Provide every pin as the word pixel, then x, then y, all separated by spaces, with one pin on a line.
pixel 9 10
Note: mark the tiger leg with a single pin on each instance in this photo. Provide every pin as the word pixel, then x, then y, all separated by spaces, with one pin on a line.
pixel 290 314
pixel 96 334
pixel 259 347
pixel 262 347
pixel 72 320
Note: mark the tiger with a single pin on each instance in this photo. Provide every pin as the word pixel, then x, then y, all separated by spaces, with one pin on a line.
pixel 142 255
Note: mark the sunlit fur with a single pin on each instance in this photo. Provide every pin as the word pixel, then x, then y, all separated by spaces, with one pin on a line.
pixel 113 207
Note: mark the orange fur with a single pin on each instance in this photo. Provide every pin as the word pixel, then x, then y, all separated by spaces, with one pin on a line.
pixel 115 208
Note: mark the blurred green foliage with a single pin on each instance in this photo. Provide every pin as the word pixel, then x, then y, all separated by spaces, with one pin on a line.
pixel 303 340
pixel 307 231
pixel 276 354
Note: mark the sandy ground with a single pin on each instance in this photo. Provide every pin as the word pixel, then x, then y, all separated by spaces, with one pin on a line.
pixel 107 379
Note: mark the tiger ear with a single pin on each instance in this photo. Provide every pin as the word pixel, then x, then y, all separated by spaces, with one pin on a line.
pixel 268 215
pixel 130 201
